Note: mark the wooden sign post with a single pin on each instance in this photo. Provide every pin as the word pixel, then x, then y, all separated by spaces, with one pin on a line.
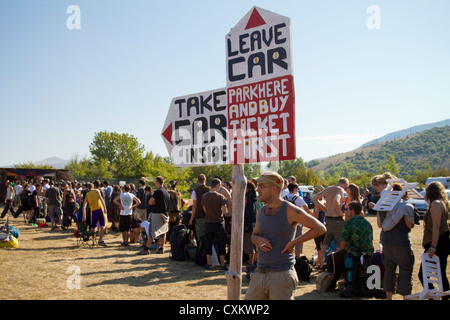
pixel 234 273
pixel 252 120
pixel 261 111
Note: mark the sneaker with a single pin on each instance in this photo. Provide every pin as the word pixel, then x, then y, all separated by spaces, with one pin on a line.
pixel 208 267
pixel 102 243
pixel 144 251
pixel 160 251
pixel 223 268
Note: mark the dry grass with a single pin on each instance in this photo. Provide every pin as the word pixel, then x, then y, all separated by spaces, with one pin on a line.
pixel 37 270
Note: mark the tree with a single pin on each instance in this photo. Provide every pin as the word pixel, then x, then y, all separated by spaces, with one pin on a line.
pixel 123 152
pixel 80 168
pixel 101 170
pixel 31 165
pixel 392 166
pixel 296 168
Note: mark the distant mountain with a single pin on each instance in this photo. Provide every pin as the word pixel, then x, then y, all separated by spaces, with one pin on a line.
pixel 406 132
pixel 428 149
pixel 55 162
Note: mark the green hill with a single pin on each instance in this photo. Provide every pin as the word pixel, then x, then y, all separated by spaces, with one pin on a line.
pixel 429 149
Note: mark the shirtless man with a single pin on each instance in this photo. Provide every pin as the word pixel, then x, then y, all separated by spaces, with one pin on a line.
pixel 334 216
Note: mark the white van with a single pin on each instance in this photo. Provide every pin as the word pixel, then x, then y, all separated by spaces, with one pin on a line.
pixel 444 180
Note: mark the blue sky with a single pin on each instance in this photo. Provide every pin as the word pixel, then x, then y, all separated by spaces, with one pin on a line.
pixel 120 71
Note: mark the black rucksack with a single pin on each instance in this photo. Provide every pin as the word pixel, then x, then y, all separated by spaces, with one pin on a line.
pixel 302 268
pixel 199 192
pixel 200 257
pixel 178 241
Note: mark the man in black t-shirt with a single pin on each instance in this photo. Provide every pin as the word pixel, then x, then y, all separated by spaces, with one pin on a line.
pixel 159 218
pixel 141 209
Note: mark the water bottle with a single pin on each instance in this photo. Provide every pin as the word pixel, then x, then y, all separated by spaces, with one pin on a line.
pixel 380 249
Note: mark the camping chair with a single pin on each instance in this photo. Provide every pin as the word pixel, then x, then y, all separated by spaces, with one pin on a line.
pixel 83 236
pixel 431 270
pixel 391 197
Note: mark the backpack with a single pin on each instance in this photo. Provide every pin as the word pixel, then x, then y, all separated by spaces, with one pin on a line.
pixel 292 200
pixel 302 268
pixel 325 279
pixel 200 257
pixel 356 276
pixel 190 251
pixel 178 241
pixel 14 231
pixel 199 192
pixel 174 201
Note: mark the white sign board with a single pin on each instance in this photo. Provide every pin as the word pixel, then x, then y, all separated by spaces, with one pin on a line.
pixel 252 120
pixel 258 48
pixel 260 89
pixel 195 130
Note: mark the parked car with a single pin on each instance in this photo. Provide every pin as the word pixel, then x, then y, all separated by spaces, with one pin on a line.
pixel 307 192
pixel 420 204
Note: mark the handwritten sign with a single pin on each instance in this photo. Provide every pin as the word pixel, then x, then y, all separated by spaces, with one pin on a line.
pixel 251 120
pixel 260 89
pixel 258 48
pixel 261 121
pixel 195 130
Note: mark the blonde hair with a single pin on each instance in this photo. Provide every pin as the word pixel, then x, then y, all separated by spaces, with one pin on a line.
pixel 382 178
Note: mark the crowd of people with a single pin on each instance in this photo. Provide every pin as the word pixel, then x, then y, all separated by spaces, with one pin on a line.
pixel 274 216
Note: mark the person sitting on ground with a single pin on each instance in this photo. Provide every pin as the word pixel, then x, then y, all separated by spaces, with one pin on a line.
pixel 356 239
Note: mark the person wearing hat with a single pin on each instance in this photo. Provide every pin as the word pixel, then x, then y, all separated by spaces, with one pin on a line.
pixel 274 235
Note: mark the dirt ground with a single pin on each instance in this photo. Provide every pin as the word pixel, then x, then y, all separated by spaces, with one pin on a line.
pixel 45 264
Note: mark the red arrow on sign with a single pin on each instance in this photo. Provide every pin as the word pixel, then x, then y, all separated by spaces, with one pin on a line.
pixel 255 20
pixel 168 133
